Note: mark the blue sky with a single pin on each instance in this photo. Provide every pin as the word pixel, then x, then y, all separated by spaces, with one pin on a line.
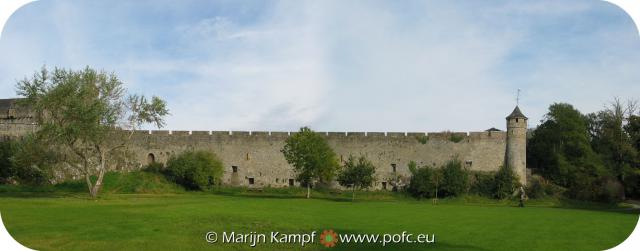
pixel 337 65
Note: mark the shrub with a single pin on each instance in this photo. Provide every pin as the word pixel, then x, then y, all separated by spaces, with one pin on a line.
pixel 505 183
pixel 422 183
pixel 611 191
pixel 6 168
pixel 455 179
pixel 483 183
pixel 28 161
pixel 196 170
pixel 154 167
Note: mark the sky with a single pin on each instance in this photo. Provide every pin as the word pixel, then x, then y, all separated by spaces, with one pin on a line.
pixel 407 66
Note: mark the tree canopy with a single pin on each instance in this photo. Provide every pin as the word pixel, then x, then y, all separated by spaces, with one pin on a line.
pixel 85 115
pixel 359 174
pixel 311 157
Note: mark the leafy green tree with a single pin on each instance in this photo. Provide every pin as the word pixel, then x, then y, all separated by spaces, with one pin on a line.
pixel 357 173
pixel 84 115
pixel 560 148
pixel 423 181
pixel 196 170
pixel 614 132
pixel 455 179
pixel 610 140
pixel 311 157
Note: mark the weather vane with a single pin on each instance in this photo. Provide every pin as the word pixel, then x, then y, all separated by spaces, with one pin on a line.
pixel 518 98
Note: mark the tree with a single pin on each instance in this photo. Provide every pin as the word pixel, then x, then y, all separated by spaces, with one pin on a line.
pixel 86 117
pixel 614 133
pixel 423 183
pixel 311 157
pixel 357 173
pixel 195 170
pixel 455 179
pixel 560 148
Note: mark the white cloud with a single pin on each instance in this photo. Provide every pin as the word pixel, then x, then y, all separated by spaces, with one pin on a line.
pixel 357 66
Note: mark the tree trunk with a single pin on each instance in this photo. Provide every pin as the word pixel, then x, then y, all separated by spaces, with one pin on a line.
pixel 98 185
pixel 87 177
pixel 353 197
pixel 308 189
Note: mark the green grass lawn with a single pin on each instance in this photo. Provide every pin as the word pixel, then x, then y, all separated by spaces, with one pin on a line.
pixel 180 221
pixel 143 210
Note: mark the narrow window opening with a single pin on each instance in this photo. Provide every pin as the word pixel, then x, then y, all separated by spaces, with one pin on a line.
pixel 384 185
pixel 151 158
pixel 291 182
pixel 393 167
pixel 251 181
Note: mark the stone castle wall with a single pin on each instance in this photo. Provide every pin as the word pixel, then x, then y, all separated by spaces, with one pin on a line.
pixel 254 159
pixel 256 156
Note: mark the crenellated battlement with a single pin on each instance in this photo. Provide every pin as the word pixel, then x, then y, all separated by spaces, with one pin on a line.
pixel 254 158
pixel 480 135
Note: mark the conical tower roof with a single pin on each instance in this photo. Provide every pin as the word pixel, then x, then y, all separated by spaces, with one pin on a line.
pixel 516 114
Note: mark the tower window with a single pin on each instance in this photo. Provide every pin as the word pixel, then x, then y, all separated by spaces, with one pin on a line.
pixel 393 167
pixel 384 185
pixel 251 181
pixel 234 168
pixel 516 120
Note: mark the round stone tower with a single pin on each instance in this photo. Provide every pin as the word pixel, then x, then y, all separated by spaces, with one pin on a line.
pixel 516 153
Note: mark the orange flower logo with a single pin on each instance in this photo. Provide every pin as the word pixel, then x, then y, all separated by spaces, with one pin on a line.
pixel 328 238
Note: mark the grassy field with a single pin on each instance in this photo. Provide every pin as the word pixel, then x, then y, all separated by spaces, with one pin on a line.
pixel 46 220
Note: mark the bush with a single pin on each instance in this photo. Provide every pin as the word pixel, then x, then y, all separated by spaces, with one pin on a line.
pixel 155 167
pixel 196 170
pixel 540 188
pixel 505 182
pixel 6 168
pixel 483 183
pixel 422 183
pixel 455 179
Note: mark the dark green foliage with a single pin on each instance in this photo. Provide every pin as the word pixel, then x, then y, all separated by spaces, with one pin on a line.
pixel 560 149
pixel 423 183
pixel 505 183
pixel 26 161
pixel 538 187
pixel 455 179
pixel 196 170
pixel 483 183
pixel 33 161
pixel 7 149
pixel 632 128
pixel 155 167
pixel 613 134
pixel 311 157
pixel 357 173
